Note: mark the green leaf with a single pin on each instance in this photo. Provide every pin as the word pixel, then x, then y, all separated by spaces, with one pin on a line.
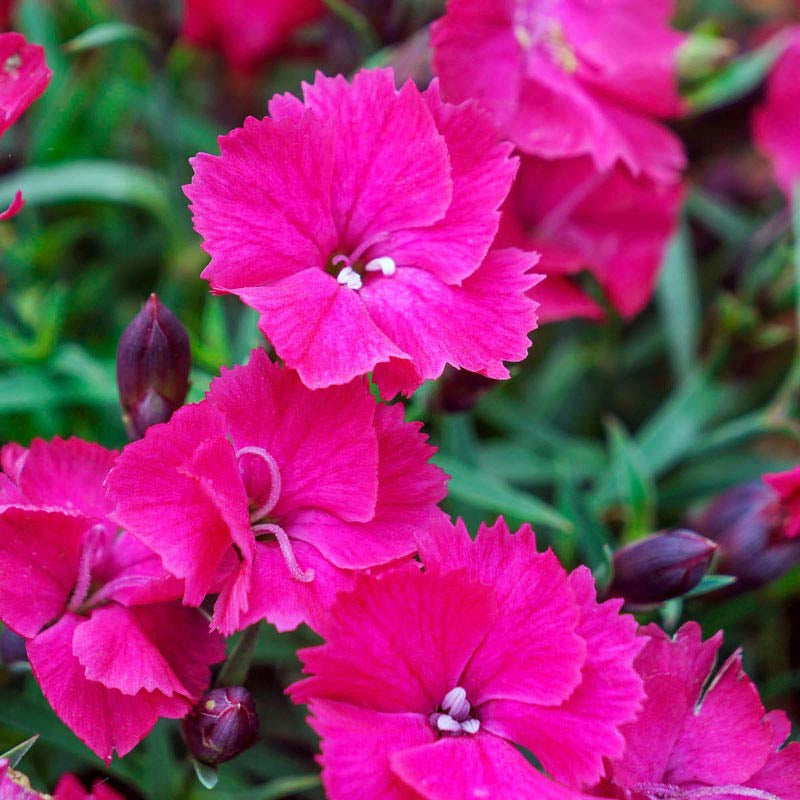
pixel 678 300
pixel 737 79
pixel 486 492
pixel 16 754
pixel 592 534
pixel 710 583
pixel 107 33
pixel 206 774
pixel 90 179
pixel 277 789
pixel 634 482
pixel 730 225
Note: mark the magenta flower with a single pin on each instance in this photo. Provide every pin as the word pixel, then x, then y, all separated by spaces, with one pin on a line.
pixel 109 645
pixel 271 493
pixel 70 788
pixel 565 78
pixel 787 486
pixel 246 32
pixel 776 129
pixel 14 785
pixel 23 77
pixel 698 736
pixel 610 223
pixel 427 679
pixel 358 225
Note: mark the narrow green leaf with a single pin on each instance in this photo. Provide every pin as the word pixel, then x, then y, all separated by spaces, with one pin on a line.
pixel 206 774
pixel 634 482
pixel 678 300
pixel 733 227
pixel 484 491
pixel 737 79
pixel 101 181
pixel 594 537
pixel 277 789
pixel 710 583
pixel 106 33
pixel 16 754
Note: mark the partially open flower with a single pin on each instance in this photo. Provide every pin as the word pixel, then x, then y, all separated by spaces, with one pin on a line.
pixel 153 362
pixel 749 523
pixel 661 566
pixel 223 724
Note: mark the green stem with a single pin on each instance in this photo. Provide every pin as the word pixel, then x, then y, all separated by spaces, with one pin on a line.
pixel 234 671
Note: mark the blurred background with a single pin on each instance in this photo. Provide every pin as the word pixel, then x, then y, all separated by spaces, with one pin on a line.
pixel 608 432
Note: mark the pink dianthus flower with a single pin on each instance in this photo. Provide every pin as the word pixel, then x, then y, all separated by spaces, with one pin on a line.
pixel 787 486
pixel 566 78
pixel 23 77
pixel 427 679
pixel 701 737
pixel 246 32
pixel 358 224
pixel 613 224
pixel 272 493
pixel 776 123
pixel 109 644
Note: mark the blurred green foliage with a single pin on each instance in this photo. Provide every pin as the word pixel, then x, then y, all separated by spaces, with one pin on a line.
pixel 603 435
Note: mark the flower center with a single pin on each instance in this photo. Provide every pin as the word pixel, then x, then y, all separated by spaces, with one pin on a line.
pixel 532 27
pixel 262 480
pixel 455 715
pixel 350 269
pixel 665 791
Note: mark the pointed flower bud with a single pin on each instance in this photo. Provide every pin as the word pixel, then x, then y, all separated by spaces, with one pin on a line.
pixel 661 566
pixel 223 724
pixel 153 361
pixel 749 523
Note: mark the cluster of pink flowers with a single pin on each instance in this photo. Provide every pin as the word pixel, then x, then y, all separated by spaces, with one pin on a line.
pixel 393 232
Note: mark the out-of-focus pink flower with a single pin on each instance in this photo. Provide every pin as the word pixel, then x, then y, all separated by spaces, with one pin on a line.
pixel 272 493
pixel 427 679
pixel 566 78
pixel 23 77
pixel 787 485
pixel 109 644
pixel 776 124
pixel 70 788
pixel 16 786
pixel 701 737
pixel 751 524
pixel 358 224
pixel 246 32
pixel 610 223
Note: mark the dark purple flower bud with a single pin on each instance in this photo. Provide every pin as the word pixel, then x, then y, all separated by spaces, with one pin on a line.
pixel 12 648
pixel 223 724
pixel 153 362
pixel 748 522
pixel 661 566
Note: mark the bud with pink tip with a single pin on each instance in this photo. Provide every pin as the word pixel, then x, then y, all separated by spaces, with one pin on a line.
pixel 223 724
pixel 661 566
pixel 153 362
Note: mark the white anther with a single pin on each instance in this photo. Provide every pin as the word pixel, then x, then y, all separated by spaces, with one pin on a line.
pixel 446 724
pixel 471 725
pixel 384 264
pixel 350 278
pixel 455 703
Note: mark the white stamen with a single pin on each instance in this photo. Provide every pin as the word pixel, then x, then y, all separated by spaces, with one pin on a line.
pixel 91 551
pixel 384 264
pixel 274 480
pixel 471 725
pixel 301 575
pixel 455 703
pixel 350 278
pixel 446 724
